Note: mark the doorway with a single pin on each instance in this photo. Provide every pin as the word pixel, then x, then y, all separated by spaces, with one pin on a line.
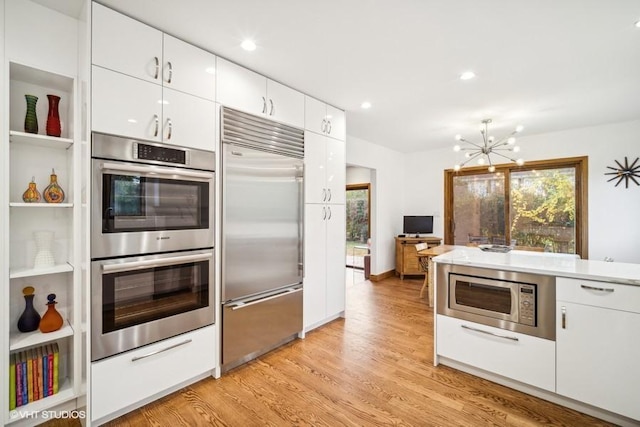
pixel 358 208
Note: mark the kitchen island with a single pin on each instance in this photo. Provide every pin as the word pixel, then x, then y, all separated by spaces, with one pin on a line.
pixel 551 325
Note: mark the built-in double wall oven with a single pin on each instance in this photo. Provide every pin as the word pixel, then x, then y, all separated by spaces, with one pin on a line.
pixel 152 238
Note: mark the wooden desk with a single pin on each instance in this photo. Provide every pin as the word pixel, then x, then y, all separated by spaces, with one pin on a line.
pixel 406 260
pixel 428 278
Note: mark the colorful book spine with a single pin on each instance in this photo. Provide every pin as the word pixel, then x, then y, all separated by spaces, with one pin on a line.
pixel 12 382
pixel 19 383
pixel 39 366
pixel 45 371
pixel 34 361
pixel 56 366
pixel 23 363
pixel 50 366
pixel 30 375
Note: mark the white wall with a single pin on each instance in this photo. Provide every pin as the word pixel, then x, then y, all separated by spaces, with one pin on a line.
pixel 614 228
pixel 386 198
pixel 358 175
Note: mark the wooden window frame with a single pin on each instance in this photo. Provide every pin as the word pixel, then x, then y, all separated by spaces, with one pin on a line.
pixel 364 186
pixel 582 183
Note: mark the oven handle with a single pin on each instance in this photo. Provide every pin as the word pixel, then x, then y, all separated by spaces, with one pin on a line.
pixel 150 170
pixel 153 353
pixel 490 333
pixel 136 265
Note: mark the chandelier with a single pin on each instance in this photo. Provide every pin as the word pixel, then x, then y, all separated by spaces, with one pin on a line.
pixel 482 152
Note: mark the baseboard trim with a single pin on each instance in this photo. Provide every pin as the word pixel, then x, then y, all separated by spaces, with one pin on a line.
pixel 381 276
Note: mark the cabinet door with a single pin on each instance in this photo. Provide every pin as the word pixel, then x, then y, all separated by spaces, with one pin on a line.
pixel 315 291
pixel 285 104
pixel 315 115
pixel 240 88
pixel 335 170
pixel 336 259
pixel 597 357
pixel 188 121
pixel 337 123
pixel 315 188
pixel 125 45
pixel 125 106
pixel 188 69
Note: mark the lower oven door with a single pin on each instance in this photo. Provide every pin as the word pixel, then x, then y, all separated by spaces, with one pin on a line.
pixel 140 300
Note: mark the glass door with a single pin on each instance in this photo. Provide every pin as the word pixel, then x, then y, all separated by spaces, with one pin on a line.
pixel 358 224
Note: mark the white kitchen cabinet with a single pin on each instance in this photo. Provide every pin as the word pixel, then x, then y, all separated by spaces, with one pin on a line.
pixel 324 119
pixel 188 121
pixel 127 46
pixel 128 379
pixel 597 346
pixel 248 91
pixel 324 273
pixel 325 169
pixel 517 356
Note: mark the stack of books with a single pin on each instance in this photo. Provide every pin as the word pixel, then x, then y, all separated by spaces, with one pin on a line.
pixel 33 374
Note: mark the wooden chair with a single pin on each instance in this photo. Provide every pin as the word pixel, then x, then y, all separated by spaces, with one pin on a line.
pixel 424 266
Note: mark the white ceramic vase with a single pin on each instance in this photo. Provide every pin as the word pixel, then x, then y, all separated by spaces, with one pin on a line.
pixel 44 243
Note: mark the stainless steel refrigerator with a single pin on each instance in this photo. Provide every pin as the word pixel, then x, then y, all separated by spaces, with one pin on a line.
pixel 262 231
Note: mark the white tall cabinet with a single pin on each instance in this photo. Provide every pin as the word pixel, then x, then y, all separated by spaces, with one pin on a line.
pixel 325 224
pixel 150 85
pixel 38 64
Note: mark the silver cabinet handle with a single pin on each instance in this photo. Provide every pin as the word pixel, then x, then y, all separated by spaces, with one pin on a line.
pixel 324 194
pixel 170 128
pixel 564 317
pixel 592 288
pixel 151 263
pixel 153 353
pixel 324 126
pixel 329 209
pixel 157 67
pixel 490 333
pixel 170 72
pixel 329 191
pixel 324 212
pixel 273 108
pixel 264 105
pixel 157 120
pixel 329 127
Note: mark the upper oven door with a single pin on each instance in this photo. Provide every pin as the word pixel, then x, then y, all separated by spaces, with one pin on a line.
pixel 140 209
pixel 483 296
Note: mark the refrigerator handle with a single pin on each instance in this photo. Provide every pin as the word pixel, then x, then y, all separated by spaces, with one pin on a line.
pixel 300 179
pixel 239 305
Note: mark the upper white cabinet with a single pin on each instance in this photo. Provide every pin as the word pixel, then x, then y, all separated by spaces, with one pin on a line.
pixel 149 85
pixel 325 169
pixel 597 348
pixel 249 91
pixel 324 119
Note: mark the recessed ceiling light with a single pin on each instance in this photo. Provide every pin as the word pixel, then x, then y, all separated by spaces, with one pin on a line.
pixel 638 24
pixel 248 45
pixel 365 105
pixel 467 75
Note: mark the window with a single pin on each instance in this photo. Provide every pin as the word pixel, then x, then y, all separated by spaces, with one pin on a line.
pixel 358 224
pixel 541 206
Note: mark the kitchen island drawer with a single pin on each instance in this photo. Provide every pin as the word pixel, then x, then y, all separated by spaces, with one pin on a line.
pixel 124 380
pixel 599 294
pixel 524 358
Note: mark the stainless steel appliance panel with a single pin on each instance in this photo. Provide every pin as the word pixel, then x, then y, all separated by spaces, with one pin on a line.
pixel 141 300
pixel 256 325
pixel 262 223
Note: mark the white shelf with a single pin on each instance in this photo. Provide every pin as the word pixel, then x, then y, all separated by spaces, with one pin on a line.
pixel 39 140
pixel 31 272
pixel 40 205
pixel 20 340
pixel 65 393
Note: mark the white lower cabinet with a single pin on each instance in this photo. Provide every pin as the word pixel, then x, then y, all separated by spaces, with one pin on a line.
pixel 324 263
pixel 128 379
pixel 520 357
pixel 597 347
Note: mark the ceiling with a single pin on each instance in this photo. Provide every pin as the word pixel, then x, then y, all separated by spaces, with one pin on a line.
pixel 546 64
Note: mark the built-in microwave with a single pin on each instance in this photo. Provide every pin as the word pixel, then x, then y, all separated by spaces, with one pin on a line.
pixel 520 302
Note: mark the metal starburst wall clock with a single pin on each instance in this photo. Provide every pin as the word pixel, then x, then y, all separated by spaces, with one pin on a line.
pixel 626 172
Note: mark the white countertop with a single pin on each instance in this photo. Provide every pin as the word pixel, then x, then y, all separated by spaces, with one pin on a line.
pixel 561 265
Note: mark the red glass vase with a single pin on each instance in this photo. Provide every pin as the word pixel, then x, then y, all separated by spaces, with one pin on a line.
pixel 53 116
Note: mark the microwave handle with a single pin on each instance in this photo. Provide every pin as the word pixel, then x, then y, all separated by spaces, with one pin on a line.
pixel 150 263
pixel 151 170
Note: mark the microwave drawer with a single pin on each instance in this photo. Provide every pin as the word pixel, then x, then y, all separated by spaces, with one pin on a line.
pixel 521 357
pixel 126 380
pixel 599 294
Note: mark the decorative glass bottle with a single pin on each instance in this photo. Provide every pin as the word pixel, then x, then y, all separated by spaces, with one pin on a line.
pixel 53 116
pixel 32 195
pixel 44 254
pixel 30 319
pixel 31 119
pixel 53 193
pixel 51 320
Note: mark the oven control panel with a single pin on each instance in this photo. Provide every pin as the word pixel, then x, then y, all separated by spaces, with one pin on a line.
pixel 159 154
pixel 527 304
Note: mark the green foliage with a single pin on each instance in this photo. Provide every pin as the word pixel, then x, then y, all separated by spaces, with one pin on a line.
pixel 357 216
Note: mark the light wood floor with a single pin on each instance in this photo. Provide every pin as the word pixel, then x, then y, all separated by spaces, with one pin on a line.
pixel 373 368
